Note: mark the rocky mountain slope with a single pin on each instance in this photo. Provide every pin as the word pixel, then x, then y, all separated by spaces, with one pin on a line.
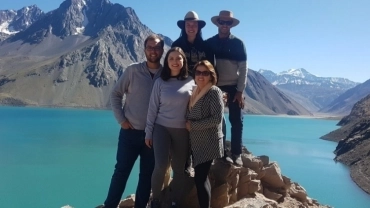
pixel 12 22
pixel 343 104
pixel 264 98
pixel 72 57
pixel 353 139
pixel 311 91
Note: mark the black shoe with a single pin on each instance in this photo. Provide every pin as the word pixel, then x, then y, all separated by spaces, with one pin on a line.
pixel 155 203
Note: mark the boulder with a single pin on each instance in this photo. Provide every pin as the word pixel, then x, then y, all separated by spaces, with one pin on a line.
pixel 273 177
pixel 128 202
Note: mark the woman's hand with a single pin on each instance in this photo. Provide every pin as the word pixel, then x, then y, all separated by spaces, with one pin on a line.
pixel 149 142
pixel 188 125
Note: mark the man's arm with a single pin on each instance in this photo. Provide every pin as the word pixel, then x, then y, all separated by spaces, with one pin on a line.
pixel 117 94
pixel 242 68
pixel 243 74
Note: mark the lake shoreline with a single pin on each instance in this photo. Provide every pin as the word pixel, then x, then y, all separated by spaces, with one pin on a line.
pixel 55 140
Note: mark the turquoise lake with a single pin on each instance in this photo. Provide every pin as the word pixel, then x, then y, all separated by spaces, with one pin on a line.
pixel 53 157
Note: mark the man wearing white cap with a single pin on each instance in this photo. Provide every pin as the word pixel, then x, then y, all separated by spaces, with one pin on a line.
pixel 231 65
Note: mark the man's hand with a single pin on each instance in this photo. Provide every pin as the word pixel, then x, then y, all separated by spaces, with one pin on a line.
pixel 126 125
pixel 224 98
pixel 188 125
pixel 149 142
pixel 239 98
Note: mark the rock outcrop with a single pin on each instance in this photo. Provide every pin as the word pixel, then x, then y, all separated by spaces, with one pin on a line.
pixel 353 139
pixel 258 183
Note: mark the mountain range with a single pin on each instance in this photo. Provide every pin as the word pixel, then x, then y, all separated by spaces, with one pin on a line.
pixel 12 22
pixel 313 92
pixel 73 55
pixel 343 104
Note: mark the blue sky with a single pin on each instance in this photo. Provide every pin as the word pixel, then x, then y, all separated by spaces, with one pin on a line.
pixel 329 38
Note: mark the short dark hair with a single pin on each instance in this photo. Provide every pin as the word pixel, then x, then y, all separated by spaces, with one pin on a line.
pixel 210 68
pixel 154 37
pixel 166 71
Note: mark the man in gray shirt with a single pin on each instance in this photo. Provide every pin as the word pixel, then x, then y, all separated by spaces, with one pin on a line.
pixel 136 83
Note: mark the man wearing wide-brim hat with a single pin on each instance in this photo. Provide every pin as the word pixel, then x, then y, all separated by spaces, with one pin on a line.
pixel 191 41
pixel 231 65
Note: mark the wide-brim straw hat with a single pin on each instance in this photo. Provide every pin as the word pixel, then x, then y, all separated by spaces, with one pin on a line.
pixel 192 16
pixel 225 15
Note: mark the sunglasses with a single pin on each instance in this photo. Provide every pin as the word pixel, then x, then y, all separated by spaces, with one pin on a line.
pixel 202 73
pixel 223 22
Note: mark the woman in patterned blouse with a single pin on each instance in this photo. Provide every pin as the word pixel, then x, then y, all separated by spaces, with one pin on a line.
pixel 204 122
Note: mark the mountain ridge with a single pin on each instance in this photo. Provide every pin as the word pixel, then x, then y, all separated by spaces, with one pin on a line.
pixel 14 21
pixel 74 54
pixel 318 92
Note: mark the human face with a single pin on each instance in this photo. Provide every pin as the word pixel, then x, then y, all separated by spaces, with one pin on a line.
pixel 224 26
pixel 202 76
pixel 191 28
pixel 175 62
pixel 153 51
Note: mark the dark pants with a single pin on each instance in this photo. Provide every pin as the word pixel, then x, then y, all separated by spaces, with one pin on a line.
pixel 131 144
pixel 235 118
pixel 202 183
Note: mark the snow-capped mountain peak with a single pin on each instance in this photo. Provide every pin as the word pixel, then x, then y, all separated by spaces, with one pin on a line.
pixel 301 76
pixel 12 22
pixel 300 72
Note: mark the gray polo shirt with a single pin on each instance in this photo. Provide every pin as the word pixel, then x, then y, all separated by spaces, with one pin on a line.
pixel 136 83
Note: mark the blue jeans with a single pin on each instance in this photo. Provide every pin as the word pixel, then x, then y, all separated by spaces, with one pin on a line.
pixel 131 144
pixel 235 118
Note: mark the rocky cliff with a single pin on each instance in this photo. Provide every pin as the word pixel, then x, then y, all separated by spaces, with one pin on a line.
pixel 353 139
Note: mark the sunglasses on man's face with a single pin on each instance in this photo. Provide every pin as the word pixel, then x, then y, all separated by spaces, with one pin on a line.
pixel 223 22
pixel 202 73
